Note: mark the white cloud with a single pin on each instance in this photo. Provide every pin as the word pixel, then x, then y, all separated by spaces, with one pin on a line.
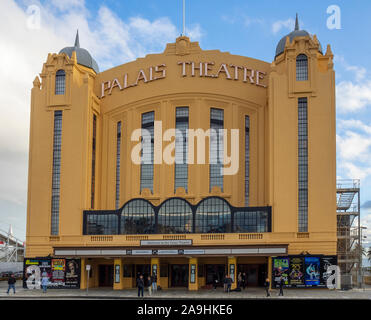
pixel 195 32
pixel 353 95
pixel 66 4
pixel 286 24
pixel 111 41
pixel 354 148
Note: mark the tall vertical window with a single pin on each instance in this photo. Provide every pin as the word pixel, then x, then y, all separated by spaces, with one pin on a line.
pixel 60 82
pixel 146 169
pixel 56 173
pixel 181 148
pixel 216 148
pixel 118 163
pixel 303 164
pixel 301 67
pixel 247 159
pixel 93 160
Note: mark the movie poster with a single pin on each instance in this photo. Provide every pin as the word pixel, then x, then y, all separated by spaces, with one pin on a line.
pixel 326 262
pixel 58 272
pixel 34 270
pixel 62 273
pixel 296 275
pixel 281 268
pixel 312 271
pixel 72 279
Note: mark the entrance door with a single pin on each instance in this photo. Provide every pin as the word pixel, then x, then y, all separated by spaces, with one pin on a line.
pixel 179 275
pixel 144 270
pixel 255 273
pixel 215 271
pixel 106 275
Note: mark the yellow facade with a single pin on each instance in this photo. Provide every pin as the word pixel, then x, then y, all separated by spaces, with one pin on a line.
pixel 269 97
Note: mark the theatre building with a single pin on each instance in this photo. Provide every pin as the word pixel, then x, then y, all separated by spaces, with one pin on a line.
pixel 130 171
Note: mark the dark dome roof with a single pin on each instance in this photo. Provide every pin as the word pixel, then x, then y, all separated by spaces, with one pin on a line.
pixel 83 56
pixel 296 33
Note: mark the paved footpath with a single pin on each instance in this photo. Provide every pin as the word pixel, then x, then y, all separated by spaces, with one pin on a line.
pixel 249 293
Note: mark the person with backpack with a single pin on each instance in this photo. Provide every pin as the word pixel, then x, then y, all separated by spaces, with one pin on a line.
pixel 11 283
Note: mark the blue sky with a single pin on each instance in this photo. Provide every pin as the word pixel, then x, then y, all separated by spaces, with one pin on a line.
pixel 116 32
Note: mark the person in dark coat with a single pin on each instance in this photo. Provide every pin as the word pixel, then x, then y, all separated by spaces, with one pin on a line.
pixel 281 283
pixel 140 284
pixel 267 286
pixel 11 283
pixel 244 280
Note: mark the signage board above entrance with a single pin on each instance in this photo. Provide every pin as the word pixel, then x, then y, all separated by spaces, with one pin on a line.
pixel 166 242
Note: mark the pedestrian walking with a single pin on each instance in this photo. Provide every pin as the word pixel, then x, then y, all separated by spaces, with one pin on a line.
pixel 239 280
pixel 44 282
pixel 225 283
pixel 149 284
pixel 154 282
pixel 229 283
pixel 215 281
pixel 281 283
pixel 267 287
pixel 140 284
pixel 11 283
pixel 244 280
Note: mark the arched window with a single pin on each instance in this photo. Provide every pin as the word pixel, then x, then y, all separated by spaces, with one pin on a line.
pixel 301 67
pixel 60 82
pixel 175 216
pixel 213 215
pixel 137 217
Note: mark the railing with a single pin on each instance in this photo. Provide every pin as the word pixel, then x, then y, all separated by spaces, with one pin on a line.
pixel 101 238
pixel 348 184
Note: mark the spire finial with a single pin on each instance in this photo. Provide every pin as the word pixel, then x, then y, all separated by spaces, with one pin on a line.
pixel 183 34
pixel 77 41
pixel 297 23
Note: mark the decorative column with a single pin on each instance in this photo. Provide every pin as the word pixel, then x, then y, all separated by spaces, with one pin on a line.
pixel 83 275
pixel 232 267
pixel 118 281
pixel 270 271
pixel 155 268
pixel 193 276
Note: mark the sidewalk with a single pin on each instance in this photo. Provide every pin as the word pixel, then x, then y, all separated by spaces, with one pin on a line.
pixel 250 293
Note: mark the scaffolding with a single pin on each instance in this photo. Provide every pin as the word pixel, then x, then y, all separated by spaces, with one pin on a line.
pixel 348 229
pixel 11 248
